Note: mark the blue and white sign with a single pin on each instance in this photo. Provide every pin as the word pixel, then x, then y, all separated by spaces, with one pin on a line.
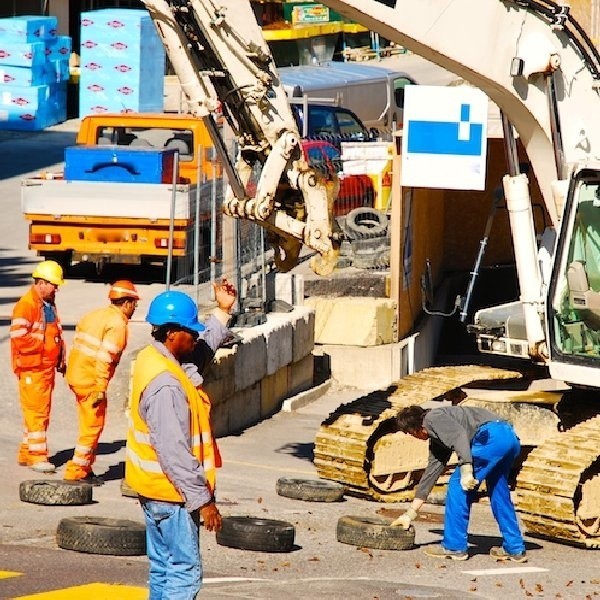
pixel 444 142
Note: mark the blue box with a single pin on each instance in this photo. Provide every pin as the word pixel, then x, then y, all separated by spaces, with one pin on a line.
pixel 28 28
pixel 22 54
pixel 25 76
pixel 118 164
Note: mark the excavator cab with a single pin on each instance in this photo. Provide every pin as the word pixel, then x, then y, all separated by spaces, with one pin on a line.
pixel 574 303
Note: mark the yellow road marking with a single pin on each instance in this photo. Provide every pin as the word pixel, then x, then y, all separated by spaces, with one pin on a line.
pixel 8 574
pixel 92 591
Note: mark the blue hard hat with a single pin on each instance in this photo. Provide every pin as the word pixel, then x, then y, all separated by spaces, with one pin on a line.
pixel 174 307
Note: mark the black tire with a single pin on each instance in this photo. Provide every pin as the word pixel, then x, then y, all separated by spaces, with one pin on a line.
pixel 100 535
pixel 127 490
pixel 250 533
pixel 311 490
pixel 374 532
pixel 366 222
pixel 57 493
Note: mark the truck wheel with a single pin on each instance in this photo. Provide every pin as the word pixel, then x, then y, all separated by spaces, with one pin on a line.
pixel 374 532
pixel 250 533
pixel 366 223
pixel 57 493
pixel 311 490
pixel 100 535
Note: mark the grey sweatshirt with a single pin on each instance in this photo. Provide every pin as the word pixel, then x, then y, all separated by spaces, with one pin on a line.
pixel 450 429
pixel 165 410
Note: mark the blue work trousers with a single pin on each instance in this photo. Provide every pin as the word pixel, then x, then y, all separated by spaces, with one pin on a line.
pixel 494 449
pixel 173 547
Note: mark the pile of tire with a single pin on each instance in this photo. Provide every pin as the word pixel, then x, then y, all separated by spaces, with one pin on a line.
pixel 366 242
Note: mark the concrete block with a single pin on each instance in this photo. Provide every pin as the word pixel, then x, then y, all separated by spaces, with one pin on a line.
pixel 251 359
pixel 277 332
pixel 274 388
pixel 353 321
pixel 365 368
pixel 243 408
pixel 301 375
pixel 303 340
pixel 219 390
pixel 222 365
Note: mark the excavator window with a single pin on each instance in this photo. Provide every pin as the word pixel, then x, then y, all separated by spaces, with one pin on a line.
pixel 577 304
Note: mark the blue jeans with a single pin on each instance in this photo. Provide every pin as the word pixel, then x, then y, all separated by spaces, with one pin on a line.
pixel 494 448
pixel 173 547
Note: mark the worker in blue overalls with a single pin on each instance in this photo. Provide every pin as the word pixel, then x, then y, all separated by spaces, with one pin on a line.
pixel 486 447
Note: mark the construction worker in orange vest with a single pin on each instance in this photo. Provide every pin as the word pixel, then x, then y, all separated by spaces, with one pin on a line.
pixel 100 339
pixel 37 352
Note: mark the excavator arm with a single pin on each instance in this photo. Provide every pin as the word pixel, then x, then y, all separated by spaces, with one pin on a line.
pixel 221 58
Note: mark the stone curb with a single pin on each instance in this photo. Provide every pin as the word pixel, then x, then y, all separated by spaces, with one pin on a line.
pixel 303 398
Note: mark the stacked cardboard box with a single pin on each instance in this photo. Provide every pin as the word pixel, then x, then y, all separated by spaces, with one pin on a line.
pixel 122 63
pixel 34 71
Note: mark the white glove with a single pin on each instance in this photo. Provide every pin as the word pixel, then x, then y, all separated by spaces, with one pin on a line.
pixel 405 519
pixel 467 480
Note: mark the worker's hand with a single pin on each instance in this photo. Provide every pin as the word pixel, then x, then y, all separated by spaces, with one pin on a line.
pixel 405 519
pixel 211 517
pixel 467 479
pixel 225 295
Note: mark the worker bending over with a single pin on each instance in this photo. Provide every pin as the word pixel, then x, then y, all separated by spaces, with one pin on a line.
pixel 486 447
pixel 99 342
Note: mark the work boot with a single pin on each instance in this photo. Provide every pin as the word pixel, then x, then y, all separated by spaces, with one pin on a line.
pixel 90 479
pixel 499 553
pixel 43 466
pixel 441 552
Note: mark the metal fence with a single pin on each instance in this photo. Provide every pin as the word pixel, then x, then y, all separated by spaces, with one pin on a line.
pixel 219 246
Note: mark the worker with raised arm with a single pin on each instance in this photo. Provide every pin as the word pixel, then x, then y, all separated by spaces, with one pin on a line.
pixel 99 342
pixel 37 352
pixel 486 447
pixel 171 456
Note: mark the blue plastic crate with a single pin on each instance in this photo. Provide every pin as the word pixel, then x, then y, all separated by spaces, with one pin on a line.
pixel 118 164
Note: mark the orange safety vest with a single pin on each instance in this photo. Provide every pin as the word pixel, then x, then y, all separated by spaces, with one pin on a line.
pixel 34 344
pixel 100 338
pixel 142 468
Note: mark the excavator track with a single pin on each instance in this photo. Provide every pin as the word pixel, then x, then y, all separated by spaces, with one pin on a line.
pixel 558 487
pixel 351 439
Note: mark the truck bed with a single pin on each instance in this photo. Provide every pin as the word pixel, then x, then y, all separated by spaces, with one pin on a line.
pixel 104 199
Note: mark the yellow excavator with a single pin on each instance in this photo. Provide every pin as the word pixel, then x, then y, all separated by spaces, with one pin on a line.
pixel 540 68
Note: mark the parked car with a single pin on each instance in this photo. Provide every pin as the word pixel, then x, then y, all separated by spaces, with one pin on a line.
pixel 331 123
pixel 355 190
